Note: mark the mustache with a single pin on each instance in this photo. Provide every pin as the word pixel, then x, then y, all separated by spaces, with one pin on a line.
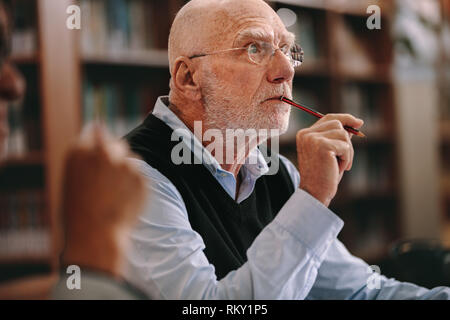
pixel 275 93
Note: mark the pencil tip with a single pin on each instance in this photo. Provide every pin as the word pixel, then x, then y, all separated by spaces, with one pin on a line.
pixel 360 134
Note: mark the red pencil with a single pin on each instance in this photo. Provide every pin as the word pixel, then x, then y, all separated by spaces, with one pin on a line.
pixel 320 115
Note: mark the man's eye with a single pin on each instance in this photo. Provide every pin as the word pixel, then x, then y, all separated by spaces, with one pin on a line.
pixel 253 48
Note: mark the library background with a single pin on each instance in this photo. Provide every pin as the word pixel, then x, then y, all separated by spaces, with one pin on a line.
pixel 396 78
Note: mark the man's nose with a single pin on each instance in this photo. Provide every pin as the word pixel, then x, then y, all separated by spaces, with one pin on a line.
pixel 280 69
pixel 12 83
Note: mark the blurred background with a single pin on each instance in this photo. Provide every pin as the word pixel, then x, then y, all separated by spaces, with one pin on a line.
pixel 396 78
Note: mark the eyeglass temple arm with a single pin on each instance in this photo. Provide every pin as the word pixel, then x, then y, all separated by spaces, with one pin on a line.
pixel 215 52
pixel 198 56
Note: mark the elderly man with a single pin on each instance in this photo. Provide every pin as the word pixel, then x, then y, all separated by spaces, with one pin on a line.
pixel 226 229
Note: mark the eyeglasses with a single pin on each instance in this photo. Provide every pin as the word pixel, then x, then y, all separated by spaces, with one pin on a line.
pixel 260 53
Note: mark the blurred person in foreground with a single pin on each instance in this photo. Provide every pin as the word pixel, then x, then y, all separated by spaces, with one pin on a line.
pixel 226 229
pixel 102 195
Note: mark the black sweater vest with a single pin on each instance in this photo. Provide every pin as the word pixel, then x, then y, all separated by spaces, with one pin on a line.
pixel 227 228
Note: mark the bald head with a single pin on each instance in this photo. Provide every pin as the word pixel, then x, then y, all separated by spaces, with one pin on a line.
pixel 207 25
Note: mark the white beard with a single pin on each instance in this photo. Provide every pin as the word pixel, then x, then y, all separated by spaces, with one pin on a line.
pixel 226 110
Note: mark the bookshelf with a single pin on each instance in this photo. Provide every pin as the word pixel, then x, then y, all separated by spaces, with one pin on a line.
pixel 42 125
pixel 348 69
pixel 124 59
pixel 72 77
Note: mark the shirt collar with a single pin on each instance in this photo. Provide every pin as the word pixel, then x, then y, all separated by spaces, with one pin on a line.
pixel 255 164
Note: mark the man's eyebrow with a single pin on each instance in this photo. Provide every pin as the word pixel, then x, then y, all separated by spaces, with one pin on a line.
pixel 260 34
pixel 257 34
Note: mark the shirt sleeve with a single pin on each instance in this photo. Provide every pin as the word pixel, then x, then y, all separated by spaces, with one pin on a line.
pixel 344 276
pixel 166 258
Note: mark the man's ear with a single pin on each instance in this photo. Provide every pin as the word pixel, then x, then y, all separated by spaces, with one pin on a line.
pixel 184 78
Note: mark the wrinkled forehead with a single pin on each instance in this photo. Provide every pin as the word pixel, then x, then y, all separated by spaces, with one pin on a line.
pixel 251 20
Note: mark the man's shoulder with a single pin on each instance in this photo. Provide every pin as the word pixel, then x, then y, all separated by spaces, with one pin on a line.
pixel 157 182
pixel 148 171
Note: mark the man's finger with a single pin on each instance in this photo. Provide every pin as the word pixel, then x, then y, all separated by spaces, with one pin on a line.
pixel 336 134
pixel 117 151
pixel 343 151
pixel 344 118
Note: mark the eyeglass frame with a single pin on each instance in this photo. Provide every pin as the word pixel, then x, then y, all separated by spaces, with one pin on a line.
pixel 274 50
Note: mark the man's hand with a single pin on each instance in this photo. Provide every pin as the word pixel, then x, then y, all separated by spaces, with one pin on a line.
pixel 102 181
pixel 324 152
pixel 102 198
pixel 4 130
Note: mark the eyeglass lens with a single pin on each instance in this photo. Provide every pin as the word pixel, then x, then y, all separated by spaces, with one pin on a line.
pixel 262 52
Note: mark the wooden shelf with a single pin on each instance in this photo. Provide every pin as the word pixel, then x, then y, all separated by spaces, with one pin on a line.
pixel 318 68
pixel 25 259
pixel 313 4
pixel 378 74
pixel 153 58
pixel 29 159
pixel 25 59
pixel 33 288
pixel 351 7
pixel 445 132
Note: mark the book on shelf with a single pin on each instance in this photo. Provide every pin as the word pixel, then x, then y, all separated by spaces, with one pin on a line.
pixel 306 34
pixel 23 225
pixel 363 101
pixel 24 37
pixel 24 117
pixel 24 126
pixel 371 172
pixel 116 26
pixel 121 107
pixel 16 143
pixel 353 56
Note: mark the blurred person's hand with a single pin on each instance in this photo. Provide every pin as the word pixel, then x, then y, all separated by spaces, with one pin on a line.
pixel 103 194
pixel 324 152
